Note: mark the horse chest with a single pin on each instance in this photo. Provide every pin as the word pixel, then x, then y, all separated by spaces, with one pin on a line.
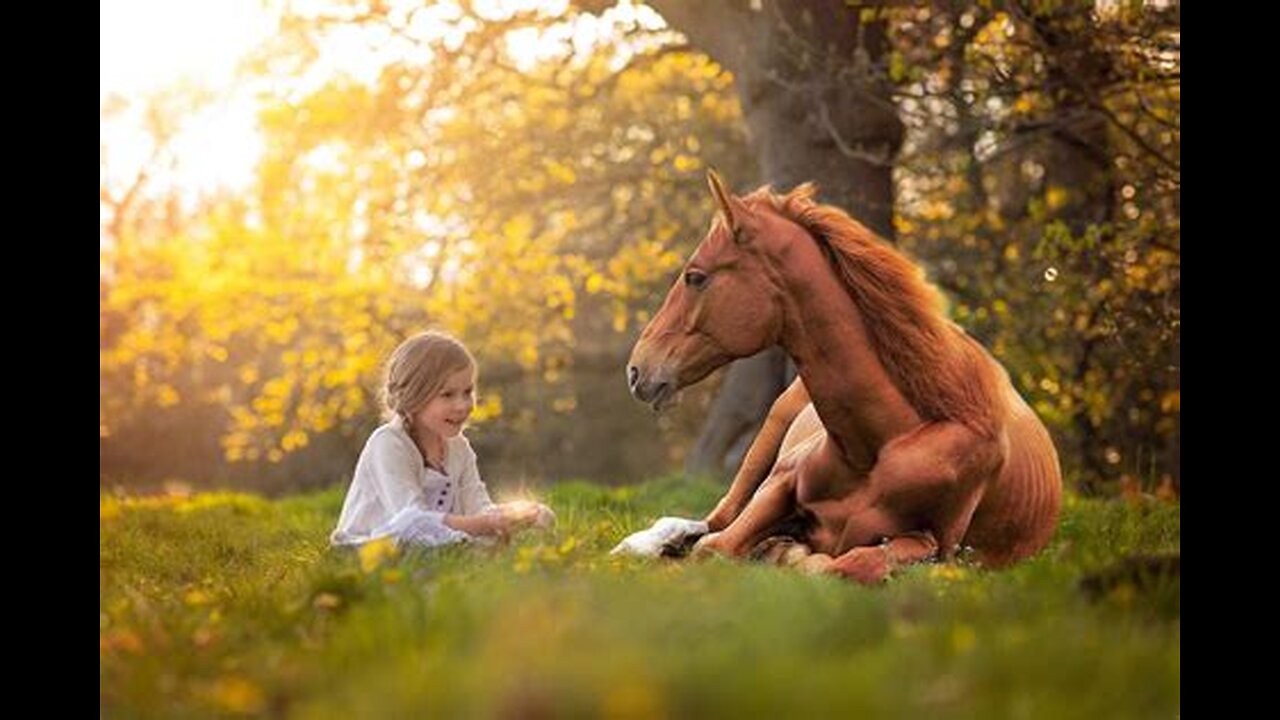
pixel 843 511
pixel 818 491
pixel 837 525
pixel 822 478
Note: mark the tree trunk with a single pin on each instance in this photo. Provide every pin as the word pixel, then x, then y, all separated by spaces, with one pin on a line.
pixel 808 80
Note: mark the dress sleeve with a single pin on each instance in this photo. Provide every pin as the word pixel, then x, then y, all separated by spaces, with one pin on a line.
pixel 473 495
pixel 392 472
pixel 421 528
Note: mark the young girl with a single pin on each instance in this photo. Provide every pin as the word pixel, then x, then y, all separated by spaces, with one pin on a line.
pixel 416 481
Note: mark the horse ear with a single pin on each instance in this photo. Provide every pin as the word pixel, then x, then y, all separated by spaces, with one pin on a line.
pixel 725 200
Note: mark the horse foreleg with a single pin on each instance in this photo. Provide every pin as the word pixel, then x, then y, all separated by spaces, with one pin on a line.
pixel 932 480
pixel 773 502
pixel 870 565
pixel 760 456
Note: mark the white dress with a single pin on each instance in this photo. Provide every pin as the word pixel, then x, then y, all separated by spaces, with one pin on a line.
pixel 395 494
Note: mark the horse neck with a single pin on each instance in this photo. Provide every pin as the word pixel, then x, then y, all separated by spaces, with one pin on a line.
pixel 859 404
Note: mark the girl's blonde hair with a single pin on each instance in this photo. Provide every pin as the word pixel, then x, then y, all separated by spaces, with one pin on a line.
pixel 418 369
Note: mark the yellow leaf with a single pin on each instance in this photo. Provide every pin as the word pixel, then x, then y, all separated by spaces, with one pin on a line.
pixel 326 601
pixel 1055 197
pixel 239 695
pixel 166 396
pixel 373 553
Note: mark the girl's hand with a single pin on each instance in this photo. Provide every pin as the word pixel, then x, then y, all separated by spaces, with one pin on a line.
pixel 502 520
pixel 497 523
pixel 519 513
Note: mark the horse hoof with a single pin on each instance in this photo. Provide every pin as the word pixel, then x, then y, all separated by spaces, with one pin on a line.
pixel 780 550
pixel 815 564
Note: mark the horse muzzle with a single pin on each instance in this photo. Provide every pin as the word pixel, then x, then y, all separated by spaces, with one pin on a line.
pixel 656 388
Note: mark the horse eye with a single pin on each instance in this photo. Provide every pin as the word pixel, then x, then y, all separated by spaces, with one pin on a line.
pixel 695 279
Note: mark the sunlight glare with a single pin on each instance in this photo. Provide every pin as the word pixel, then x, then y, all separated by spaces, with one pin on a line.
pixel 149 45
pixel 146 44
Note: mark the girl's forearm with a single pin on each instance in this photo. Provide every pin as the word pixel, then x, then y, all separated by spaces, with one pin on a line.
pixel 469 524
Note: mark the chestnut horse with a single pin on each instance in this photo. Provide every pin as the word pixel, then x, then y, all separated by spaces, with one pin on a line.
pixel 902 440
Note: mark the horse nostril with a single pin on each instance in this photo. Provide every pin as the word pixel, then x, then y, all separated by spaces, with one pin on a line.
pixel 633 374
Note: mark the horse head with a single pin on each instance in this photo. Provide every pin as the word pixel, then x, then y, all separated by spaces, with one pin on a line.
pixel 725 305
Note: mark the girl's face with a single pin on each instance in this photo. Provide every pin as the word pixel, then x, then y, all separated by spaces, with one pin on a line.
pixel 446 413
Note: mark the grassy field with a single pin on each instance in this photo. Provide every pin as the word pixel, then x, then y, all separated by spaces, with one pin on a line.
pixel 224 604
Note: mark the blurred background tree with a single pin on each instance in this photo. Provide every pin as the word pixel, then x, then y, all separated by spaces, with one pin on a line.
pixel 529 176
pixel 1041 182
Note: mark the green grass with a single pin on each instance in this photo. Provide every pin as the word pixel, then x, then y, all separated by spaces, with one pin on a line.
pixel 224 604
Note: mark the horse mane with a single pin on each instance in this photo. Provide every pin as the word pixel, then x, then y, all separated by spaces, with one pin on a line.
pixel 939 369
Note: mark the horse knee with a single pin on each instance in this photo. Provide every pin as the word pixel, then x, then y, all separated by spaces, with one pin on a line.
pixel 723 543
pixel 866 565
